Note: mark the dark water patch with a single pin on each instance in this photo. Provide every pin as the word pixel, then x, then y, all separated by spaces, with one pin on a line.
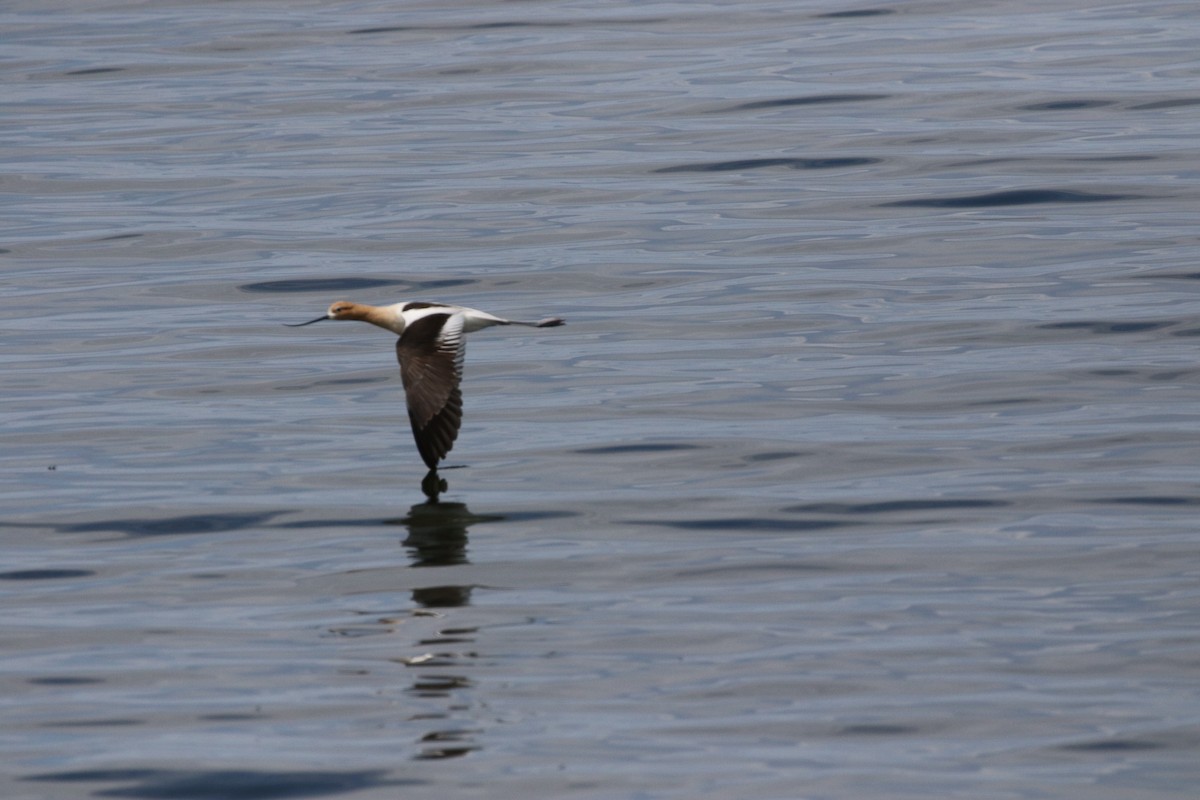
pixel 1114 159
pixel 95 71
pixel 1112 746
pixel 1169 376
pixel 372 522
pixel 765 163
pixel 877 729
pixel 346 284
pixel 224 784
pixel 857 13
pixel 636 448
pixel 808 100
pixel 1102 327
pixel 229 717
pixel 477 26
pixel 120 236
pixel 895 506
pixel 117 722
pixel 438 685
pixel 448 736
pixel 1013 197
pixel 330 382
pixel 522 516
pixel 44 574
pixel 174 526
pixel 1154 500
pixel 530 516
pixel 750 571
pixel 750 524
pixel 383 29
pixel 490 26
pixel 1158 376
pixel 442 596
pixel 63 680
pixel 1066 105
pixel 1186 332
pixel 1160 105
pixel 444 751
pixel 1177 276
pixel 778 455
pixel 1108 159
pixel 442 641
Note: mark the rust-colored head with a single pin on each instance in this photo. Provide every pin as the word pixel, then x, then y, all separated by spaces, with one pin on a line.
pixel 386 317
pixel 344 309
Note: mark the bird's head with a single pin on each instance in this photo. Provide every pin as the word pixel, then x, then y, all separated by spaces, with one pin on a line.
pixel 342 309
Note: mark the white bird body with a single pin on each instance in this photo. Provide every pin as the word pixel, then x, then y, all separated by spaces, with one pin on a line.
pixel 430 350
pixel 399 316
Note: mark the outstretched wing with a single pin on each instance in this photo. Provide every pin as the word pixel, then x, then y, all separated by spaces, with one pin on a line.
pixel 431 352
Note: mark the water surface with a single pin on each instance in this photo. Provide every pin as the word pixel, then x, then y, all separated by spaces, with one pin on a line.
pixel 864 467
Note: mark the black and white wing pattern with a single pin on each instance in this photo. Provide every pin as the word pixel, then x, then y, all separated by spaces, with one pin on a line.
pixel 431 352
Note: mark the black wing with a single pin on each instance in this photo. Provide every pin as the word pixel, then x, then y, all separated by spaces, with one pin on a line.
pixel 430 352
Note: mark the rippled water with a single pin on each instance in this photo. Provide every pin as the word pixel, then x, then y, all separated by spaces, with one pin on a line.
pixel 864 467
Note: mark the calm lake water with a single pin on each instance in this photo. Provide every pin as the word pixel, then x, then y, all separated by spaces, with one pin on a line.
pixel 865 466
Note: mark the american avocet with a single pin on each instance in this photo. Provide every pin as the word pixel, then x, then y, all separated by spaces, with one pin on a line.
pixel 430 350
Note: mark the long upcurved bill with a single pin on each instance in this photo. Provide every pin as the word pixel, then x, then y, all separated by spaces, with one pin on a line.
pixel 302 324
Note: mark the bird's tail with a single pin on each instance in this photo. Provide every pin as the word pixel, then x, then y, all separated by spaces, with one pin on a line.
pixel 548 322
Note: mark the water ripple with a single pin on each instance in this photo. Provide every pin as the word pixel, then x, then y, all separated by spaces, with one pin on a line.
pixel 1013 197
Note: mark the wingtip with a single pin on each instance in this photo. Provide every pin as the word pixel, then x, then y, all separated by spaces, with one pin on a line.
pixel 551 322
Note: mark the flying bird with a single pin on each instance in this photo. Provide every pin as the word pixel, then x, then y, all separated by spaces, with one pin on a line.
pixel 430 350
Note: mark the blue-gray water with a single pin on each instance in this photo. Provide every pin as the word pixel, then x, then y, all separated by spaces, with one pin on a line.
pixel 865 467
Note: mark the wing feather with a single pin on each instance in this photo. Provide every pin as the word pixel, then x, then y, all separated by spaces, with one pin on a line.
pixel 431 352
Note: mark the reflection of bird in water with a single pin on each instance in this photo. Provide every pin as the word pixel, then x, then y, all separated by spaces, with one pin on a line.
pixel 437 532
pixel 437 537
pixel 430 349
